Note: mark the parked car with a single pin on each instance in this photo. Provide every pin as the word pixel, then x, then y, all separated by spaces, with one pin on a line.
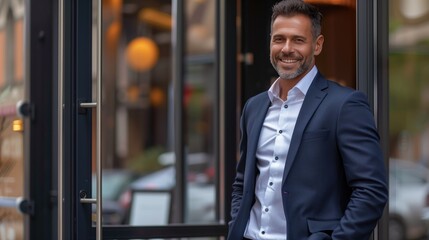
pixel 201 192
pixel 408 200
pixel 115 182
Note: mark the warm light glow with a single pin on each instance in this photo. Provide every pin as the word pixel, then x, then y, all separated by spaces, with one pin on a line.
pixel 114 5
pixel 142 54
pixel 156 18
pixel 112 34
pixel 157 97
pixel 18 125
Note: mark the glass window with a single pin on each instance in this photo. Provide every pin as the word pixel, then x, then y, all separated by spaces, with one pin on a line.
pixel 200 97
pixel 139 108
pixel 11 125
pixel 409 119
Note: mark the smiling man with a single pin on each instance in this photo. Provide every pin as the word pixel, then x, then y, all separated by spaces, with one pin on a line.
pixel 310 165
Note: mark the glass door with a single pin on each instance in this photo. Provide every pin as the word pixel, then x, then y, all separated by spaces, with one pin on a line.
pixel 140 122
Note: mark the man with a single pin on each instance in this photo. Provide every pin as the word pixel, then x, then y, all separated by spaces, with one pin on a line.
pixel 310 163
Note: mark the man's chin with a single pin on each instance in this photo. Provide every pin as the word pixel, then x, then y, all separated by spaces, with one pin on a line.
pixel 288 76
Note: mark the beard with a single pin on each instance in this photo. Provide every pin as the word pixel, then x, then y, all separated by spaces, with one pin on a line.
pixel 303 67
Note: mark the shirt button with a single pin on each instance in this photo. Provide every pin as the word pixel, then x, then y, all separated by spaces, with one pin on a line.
pixel 286 106
pixel 266 209
pixel 263 232
pixel 271 183
pixel 280 131
pixel 276 158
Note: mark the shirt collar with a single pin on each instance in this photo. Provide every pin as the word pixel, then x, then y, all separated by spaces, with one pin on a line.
pixel 303 85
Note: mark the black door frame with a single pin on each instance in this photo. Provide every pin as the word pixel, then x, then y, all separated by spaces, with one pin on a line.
pixel 372 70
pixel 74 216
pixel 39 121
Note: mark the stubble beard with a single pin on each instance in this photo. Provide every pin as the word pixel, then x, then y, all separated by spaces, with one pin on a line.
pixel 289 76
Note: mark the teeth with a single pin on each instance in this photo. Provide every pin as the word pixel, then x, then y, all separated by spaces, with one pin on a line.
pixel 288 60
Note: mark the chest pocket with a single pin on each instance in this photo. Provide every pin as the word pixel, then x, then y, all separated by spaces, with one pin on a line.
pixel 315 135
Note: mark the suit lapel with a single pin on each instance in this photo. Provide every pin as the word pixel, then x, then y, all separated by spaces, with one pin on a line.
pixel 312 100
pixel 259 111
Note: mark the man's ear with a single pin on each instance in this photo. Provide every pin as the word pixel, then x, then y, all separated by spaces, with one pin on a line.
pixel 319 45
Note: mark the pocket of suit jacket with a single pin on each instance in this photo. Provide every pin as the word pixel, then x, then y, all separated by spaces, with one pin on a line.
pixel 315 135
pixel 321 226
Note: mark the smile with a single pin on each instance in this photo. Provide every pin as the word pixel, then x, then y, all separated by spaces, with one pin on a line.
pixel 289 60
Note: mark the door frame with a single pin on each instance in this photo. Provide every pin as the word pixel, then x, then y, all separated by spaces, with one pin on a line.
pixel 372 71
pixel 74 123
pixel 39 120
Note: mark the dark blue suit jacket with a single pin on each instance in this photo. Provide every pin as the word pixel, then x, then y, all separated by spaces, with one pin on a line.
pixel 334 183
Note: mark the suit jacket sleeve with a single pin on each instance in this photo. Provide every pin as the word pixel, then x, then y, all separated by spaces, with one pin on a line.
pixel 358 143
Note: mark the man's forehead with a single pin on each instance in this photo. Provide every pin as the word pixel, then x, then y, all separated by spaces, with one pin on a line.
pixel 299 23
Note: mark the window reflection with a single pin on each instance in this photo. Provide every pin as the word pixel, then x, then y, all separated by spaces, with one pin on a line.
pixel 138 112
pixel 409 119
pixel 11 125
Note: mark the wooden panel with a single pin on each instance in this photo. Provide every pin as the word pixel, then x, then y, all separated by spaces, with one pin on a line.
pixel 338 58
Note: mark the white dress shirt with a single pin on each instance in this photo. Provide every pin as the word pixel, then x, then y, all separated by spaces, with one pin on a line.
pixel 267 218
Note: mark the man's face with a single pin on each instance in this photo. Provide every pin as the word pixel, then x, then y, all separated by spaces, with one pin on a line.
pixel 292 47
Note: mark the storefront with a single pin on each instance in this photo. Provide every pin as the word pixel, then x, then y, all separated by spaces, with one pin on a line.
pixel 120 120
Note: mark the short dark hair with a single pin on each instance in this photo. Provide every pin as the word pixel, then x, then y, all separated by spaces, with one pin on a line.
pixel 293 7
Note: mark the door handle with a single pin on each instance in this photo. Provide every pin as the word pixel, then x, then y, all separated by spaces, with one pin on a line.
pixel 60 118
pixel 83 199
pixel 98 232
pixel 20 204
pixel 97 105
pixel 88 105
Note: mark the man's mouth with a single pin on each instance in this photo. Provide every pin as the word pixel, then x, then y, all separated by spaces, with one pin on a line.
pixel 287 60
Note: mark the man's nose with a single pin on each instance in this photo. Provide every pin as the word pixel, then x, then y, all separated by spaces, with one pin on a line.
pixel 287 47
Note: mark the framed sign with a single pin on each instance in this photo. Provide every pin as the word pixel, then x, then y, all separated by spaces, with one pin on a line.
pixel 150 207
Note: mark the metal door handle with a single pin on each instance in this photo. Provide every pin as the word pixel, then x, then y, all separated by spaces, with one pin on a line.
pixel 97 105
pixel 99 225
pixel 60 117
pixel 20 204
pixel 88 105
pixel 83 198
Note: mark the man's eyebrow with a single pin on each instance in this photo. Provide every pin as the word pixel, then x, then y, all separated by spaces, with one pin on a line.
pixel 291 36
